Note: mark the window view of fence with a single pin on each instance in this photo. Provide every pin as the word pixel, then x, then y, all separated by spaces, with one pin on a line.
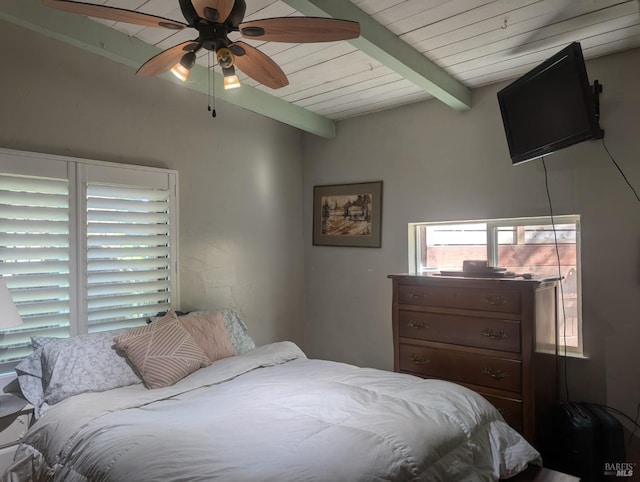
pixel 518 245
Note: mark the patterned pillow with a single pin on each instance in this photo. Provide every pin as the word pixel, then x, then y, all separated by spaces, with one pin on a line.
pixel 236 329
pixel 84 363
pixel 209 333
pixel 162 352
pixel 29 373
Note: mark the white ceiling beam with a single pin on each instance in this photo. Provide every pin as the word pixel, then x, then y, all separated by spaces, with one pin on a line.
pixel 383 45
pixel 112 44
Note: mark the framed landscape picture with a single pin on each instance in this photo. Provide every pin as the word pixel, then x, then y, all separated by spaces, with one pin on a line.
pixel 348 215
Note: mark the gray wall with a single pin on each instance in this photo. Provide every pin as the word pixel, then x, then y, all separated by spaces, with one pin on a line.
pixel 240 173
pixel 438 165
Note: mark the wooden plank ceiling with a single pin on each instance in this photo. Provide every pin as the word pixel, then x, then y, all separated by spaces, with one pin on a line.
pixel 409 51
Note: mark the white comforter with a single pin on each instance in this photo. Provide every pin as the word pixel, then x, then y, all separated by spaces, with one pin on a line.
pixel 274 415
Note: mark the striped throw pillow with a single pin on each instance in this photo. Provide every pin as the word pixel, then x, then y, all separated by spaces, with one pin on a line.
pixel 162 352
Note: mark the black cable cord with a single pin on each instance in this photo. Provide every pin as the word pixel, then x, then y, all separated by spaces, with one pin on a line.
pixel 635 423
pixel 564 315
pixel 620 170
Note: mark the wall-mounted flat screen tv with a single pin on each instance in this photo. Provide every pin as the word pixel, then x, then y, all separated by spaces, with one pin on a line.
pixel 549 108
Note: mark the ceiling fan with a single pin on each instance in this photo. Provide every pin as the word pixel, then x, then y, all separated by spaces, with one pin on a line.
pixel 214 19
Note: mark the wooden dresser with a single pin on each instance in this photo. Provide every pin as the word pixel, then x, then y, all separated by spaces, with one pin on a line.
pixel 495 336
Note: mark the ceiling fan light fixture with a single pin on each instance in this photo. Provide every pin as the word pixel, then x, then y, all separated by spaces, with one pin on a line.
pixel 214 21
pixel 182 68
pixel 225 58
pixel 180 72
pixel 231 80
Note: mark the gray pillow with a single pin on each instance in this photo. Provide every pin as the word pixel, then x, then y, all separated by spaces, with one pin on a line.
pixel 70 366
pixel 29 373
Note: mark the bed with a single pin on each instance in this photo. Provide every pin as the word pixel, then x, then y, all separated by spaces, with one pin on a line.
pixel 264 413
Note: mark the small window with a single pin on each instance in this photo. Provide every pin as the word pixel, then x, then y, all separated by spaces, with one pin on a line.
pixel 523 245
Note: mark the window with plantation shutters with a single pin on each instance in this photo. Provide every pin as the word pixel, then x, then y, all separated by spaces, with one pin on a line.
pixel 128 255
pixel 35 258
pixel 85 246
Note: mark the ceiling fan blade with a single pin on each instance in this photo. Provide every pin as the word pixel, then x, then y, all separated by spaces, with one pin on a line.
pixel 258 66
pixel 115 14
pixel 300 29
pixel 214 10
pixel 166 59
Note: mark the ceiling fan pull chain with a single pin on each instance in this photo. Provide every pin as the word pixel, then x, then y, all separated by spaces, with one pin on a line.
pixel 212 86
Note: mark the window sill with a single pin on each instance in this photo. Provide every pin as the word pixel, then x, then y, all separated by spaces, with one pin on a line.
pixel 572 354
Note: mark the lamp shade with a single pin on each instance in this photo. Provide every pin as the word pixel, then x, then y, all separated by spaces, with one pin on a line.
pixel 231 82
pixel 180 71
pixel 9 316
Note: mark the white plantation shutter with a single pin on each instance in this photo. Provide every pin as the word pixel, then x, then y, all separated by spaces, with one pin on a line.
pixel 128 255
pixel 35 259
pixel 84 246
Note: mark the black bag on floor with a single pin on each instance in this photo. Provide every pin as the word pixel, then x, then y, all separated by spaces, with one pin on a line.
pixel 587 442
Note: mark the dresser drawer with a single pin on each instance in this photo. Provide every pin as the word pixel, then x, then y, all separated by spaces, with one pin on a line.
pixel 457 297
pixel 460 366
pixel 510 409
pixel 461 330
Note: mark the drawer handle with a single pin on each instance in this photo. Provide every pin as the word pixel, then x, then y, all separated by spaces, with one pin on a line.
pixel 418 324
pixel 495 374
pixel 494 300
pixel 418 296
pixel 420 359
pixel 495 335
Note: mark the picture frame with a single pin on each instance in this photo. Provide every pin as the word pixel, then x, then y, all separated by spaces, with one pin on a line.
pixel 348 215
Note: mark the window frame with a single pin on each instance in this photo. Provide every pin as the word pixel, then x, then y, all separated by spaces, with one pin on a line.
pixel 492 226
pixel 78 173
